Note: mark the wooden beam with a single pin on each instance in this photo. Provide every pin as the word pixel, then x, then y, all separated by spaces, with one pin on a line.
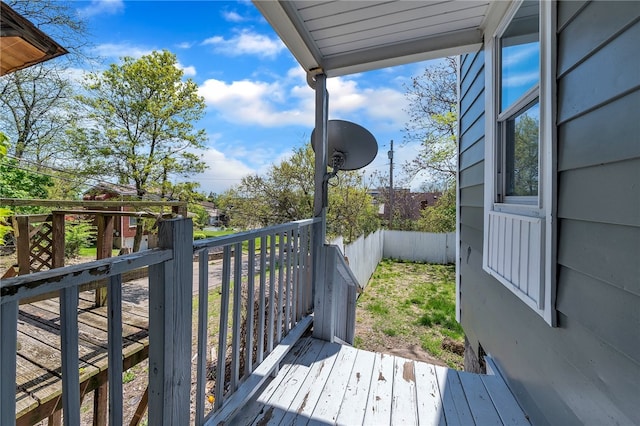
pixel 23 246
pixel 58 240
pixel 81 203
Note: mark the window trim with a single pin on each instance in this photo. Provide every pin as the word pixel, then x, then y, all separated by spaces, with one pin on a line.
pixel 545 208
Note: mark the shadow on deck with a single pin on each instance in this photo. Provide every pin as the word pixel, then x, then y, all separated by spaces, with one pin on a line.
pixel 321 383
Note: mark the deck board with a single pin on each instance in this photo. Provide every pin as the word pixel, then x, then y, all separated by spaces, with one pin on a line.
pixel 324 384
pixel 39 384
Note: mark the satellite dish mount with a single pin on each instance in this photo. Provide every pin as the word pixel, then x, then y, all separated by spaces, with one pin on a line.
pixel 351 147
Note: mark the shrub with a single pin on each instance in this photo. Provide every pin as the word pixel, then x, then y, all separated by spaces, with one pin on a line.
pixel 77 235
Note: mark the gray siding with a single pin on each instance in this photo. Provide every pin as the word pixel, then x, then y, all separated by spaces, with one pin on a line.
pixel 587 370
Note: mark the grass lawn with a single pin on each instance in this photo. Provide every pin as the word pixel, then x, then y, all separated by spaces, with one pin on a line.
pixel 411 305
pixel 91 252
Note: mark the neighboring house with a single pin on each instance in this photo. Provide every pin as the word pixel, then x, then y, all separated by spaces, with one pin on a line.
pixel 124 230
pixel 213 214
pixel 549 179
pixel 407 205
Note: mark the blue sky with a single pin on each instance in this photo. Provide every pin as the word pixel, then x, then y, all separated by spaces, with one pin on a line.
pixel 259 106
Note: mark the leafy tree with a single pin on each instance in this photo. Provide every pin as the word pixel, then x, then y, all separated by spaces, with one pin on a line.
pixel 433 120
pixel 442 216
pixel 351 210
pixel 139 125
pixel 35 101
pixel 35 105
pixel 285 194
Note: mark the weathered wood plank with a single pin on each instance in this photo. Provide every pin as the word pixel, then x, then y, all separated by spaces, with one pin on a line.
pixel 404 406
pixel 114 324
pixel 309 391
pixel 330 401
pixel 37 382
pixel 482 409
pixel 429 401
pixel 281 399
pixel 503 400
pixel 455 406
pixel 381 391
pixel 354 405
pixel 256 405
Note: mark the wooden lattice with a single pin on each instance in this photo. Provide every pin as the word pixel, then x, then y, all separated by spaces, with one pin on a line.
pixel 40 246
pixel 37 248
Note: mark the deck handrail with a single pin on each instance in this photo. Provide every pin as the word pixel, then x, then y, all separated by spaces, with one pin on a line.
pixel 345 286
pixel 269 291
pixel 67 280
pixel 268 288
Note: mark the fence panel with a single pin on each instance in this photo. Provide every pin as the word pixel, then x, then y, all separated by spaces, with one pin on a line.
pixel 420 246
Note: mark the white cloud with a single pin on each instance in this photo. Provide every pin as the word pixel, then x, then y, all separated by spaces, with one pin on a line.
pixel 290 101
pixel 118 50
pixel 101 7
pixel 233 16
pixel 189 71
pixel 246 42
pixel 184 45
pixel 521 79
pixel 223 171
pixel 256 102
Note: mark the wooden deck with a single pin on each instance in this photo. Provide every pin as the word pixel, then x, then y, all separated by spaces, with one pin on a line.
pixel 39 383
pixel 322 383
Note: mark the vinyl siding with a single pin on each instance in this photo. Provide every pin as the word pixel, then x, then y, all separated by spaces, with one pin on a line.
pixel 587 370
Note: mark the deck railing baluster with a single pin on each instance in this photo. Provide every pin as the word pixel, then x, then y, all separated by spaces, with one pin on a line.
pixel 294 278
pixel 251 275
pixel 69 346
pixel 261 302
pixel 114 325
pixel 9 330
pixel 288 282
pixel 203 310
pixel 281 246
pixel 237 317
pixel 272 290
pixel 224 320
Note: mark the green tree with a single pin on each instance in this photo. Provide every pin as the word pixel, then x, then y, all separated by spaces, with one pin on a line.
pixel 440 217
pixel 139 125
pixel 35 101
pixel 285 193
pixel 433 119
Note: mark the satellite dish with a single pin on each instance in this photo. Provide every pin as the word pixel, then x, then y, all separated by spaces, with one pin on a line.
pixel 351 146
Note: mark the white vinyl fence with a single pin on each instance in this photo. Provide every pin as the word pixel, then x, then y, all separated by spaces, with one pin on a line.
pixel 364 254
pixel 420 246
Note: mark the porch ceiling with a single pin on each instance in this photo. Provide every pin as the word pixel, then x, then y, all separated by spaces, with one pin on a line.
pixel 345 37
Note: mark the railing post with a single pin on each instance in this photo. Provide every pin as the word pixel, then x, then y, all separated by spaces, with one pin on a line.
pixel 322 291
pixel 170 310
pixel 9 330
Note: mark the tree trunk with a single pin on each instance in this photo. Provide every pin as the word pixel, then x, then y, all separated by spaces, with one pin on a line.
pixel 138 237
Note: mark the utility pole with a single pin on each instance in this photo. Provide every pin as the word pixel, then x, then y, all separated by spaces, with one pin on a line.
pixel 390 153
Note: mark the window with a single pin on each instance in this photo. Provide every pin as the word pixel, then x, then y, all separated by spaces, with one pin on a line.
pixel 519 233
pixel 519 114
pixel 133 222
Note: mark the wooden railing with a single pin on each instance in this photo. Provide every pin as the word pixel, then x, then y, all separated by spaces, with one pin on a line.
pixel 265 292
pixel 266 298
pixel 67 281
pixel 345 288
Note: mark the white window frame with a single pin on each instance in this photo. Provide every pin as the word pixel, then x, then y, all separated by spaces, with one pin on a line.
pixel 540 215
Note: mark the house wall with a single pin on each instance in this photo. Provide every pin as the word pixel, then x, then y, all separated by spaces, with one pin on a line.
pixel 587 370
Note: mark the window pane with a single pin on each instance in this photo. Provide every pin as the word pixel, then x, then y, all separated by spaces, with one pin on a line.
pixel 521 152
pixel 520 54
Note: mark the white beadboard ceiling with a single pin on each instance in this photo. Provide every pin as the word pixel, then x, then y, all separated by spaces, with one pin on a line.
pixel 345 37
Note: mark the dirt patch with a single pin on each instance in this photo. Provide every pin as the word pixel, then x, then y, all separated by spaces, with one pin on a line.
pixel 408 310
